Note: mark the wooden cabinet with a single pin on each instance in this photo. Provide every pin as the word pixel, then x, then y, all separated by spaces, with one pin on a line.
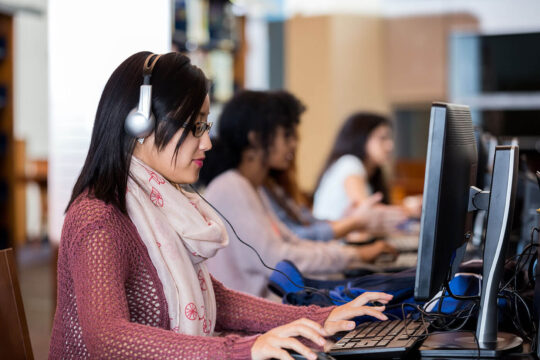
pixel 7 168
pixel 416 56
pixel 338 64
pixel 334 64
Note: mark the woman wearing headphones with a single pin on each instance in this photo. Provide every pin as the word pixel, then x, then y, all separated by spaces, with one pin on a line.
pixel 132 277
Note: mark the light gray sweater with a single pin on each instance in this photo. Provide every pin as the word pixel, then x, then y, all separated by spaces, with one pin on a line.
pixel 237 266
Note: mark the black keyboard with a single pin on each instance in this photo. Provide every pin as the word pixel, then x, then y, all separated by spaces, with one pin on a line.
pixel 381 339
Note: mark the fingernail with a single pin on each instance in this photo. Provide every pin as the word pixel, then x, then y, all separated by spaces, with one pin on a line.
pixel 321 342
pixel 350 325
pixel 313 356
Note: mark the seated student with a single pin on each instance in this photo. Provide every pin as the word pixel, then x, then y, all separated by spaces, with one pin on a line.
pixel 281 190
pixel 132 276
pixel 251 138
pixel 353 170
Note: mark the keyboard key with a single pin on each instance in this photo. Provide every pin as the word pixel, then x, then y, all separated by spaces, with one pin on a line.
pixel 371 343
pixel 397 329
pixel 383 342
pixel 389 327
pixel 399 343
pixel 386 336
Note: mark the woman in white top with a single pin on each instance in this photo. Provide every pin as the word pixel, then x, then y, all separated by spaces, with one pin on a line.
pixel 353 170
pixel 254 137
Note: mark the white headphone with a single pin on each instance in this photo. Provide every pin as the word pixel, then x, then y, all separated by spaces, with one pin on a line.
pixel 140 120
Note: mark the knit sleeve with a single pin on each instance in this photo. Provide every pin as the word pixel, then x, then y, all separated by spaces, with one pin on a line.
pixel 242 312
pixel 99 269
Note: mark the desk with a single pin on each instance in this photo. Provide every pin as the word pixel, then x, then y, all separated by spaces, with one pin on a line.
pixel 415 354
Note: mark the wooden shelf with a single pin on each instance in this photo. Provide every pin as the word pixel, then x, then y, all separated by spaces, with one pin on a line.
pixel 7 161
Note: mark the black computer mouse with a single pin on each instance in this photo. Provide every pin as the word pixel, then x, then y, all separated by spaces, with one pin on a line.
pixel 320 355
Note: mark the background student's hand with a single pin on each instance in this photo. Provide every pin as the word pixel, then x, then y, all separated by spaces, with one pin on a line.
pixel 362 213
pixel 376 218
pixel 358 237
pixel 413 206
pixel 369 252
pixel 272 343
pixel 385 219
pixel 339 318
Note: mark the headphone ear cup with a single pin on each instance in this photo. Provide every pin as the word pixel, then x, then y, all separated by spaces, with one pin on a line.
pixel 138 125
pixel 140 121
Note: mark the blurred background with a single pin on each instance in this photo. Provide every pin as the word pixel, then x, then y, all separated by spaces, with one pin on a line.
pixel 338 56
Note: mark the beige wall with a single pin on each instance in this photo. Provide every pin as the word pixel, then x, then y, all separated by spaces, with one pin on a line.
pixel 338 64
pixel 416 53
pixel 334 65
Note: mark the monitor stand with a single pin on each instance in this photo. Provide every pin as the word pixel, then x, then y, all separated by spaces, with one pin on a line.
pixel 464 344
pixel 487 342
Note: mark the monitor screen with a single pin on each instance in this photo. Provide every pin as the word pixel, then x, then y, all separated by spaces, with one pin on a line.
pixel 510 62
pixel 446 223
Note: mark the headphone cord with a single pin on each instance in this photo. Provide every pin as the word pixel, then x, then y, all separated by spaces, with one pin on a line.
pixel 259 256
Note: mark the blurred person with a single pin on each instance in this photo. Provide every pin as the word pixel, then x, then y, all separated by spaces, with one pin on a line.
pixel 253 137
pixel 288 203
pixel 132 276
pixel 354 169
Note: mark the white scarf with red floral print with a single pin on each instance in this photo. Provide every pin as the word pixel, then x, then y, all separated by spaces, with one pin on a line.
pixel 179 232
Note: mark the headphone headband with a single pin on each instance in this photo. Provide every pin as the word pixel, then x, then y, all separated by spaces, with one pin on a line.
pixel 140 120
pixel 149 64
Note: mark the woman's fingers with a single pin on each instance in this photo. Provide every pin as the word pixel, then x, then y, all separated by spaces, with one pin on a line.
pixel 304 331
pixel 372 296
pixel 312 324
pixel 295 345
pixel 333 327
pixel 271 344
pixel 277 353
pixel 352 312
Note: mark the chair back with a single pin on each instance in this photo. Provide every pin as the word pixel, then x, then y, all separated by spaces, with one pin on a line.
pixel 14 337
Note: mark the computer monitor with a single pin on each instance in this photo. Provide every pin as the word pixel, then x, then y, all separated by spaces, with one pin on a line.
pixel 446 223
pixel 449 199
pixel 485 144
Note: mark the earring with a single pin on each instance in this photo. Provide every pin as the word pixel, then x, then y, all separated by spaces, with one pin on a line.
pixel 140 140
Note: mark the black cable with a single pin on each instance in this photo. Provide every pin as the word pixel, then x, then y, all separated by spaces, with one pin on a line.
pixel 445 288
pixel 512 294
pixel 460 297
pixel 520 257
pixel 260 258
pixel 526 333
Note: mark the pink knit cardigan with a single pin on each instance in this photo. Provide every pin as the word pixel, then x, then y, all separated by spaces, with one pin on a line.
pixel 111 303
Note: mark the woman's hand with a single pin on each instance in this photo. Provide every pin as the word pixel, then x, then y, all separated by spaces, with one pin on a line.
pixel 272 343
pixel 338 320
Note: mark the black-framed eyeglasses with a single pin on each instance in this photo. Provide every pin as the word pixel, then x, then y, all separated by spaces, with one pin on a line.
pixel 199 127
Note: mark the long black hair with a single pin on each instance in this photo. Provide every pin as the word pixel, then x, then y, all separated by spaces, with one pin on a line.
pixel 178 92
pixel 352 139
pixel 259 112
